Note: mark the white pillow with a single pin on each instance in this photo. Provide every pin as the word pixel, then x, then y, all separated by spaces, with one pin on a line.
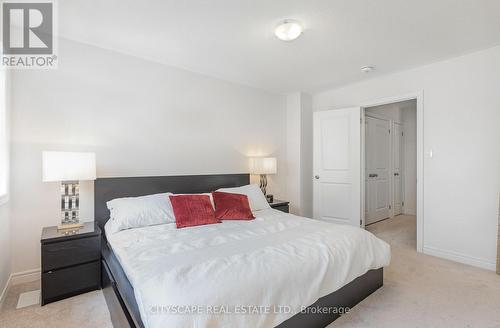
pixel 135 212
pixel 255 196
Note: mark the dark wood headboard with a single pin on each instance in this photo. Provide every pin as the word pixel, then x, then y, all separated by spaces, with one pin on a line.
pixel 106 189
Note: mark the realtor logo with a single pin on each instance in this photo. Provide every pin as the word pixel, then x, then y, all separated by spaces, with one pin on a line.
pixel 28 35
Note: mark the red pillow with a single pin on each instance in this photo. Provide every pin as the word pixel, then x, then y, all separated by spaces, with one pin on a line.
pixel 192 210
pixel 231 206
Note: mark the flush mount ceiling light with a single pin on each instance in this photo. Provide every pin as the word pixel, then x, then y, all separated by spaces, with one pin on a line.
pixel 367 69
pixel 288 30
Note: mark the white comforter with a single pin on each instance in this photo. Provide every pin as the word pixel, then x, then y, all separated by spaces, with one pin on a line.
pixel 242 273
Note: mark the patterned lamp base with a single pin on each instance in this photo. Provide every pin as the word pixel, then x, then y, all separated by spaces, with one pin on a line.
pixel 263 183
pixel 70 205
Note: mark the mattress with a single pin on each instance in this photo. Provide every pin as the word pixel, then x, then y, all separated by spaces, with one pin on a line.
pixel 254 273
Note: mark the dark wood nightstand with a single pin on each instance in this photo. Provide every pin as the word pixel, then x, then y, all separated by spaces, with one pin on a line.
pixel 280 205
pixel 71 262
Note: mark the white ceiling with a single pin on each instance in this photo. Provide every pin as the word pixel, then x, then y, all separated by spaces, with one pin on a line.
pixel 233 39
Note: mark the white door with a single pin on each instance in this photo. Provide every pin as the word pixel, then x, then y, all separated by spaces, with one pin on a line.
pixel 337 166
pixel 397 168
pixel 377 141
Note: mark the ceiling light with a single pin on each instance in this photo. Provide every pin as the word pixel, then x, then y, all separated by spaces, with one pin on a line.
pixel 288 30
pixel 367 69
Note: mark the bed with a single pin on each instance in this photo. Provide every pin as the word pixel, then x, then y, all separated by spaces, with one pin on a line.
pixel 277 270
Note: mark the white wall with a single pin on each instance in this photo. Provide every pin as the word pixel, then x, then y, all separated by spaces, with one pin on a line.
pixel 461 127
pixel 306 154
pixel 390 111
pixel 293 156
pixel 141 118
pixel 299 153
pixel 5 219
pixel 5 250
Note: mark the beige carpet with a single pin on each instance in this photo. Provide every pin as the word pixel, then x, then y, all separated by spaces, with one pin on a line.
pixel 425 291
pixel 86 310
pixel 419 291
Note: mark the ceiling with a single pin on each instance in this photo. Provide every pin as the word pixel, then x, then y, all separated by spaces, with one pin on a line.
pixel 233 39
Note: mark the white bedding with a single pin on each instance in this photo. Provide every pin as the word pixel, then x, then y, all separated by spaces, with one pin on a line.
pixel 241 273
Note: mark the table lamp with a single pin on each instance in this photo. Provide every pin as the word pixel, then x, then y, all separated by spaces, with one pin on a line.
pixel 69 168
pixel 263 166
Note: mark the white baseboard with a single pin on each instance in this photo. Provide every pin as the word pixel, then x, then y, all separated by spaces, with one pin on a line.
pixel 462 258
pixel 5 291
pixel 19 278
pixel 409 211
pixel 25 276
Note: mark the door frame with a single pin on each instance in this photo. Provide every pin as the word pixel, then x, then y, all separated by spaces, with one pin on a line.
pixel 419 97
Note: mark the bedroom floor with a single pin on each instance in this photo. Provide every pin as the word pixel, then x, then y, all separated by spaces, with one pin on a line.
pixel 425 291
pixel 419 291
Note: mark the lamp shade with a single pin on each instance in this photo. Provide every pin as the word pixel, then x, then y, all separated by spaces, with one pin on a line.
pixel 263 165
pixel 68 166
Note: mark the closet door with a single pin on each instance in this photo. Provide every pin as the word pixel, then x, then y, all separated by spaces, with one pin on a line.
pixel 397 168
pixel 378 153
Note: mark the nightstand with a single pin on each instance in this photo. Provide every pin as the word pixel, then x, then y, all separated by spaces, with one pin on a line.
pixel 71 262
pixel 280 205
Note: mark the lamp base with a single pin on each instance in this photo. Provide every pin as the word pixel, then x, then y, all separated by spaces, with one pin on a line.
pixel 263 183
pixel 70 203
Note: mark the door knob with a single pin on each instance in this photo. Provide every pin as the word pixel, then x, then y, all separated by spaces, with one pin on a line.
pixel 396 174
pixel 372 175
pixel 316 177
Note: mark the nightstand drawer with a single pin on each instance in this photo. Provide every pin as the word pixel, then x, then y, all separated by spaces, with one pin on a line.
pixel 59 284
pixel 282 208
pixel 280 205
pixel 71 252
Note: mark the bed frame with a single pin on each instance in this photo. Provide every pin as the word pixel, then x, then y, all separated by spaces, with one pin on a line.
pixel 118 291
